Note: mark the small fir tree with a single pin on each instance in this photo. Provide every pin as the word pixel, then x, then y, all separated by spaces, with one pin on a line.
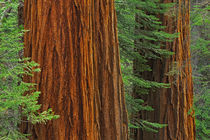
pixel 14 104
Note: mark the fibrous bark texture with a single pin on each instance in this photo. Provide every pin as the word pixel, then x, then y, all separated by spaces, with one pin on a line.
pixel 75 42
pixel 173 106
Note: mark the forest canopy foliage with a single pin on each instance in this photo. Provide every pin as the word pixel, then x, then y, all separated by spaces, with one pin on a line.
pixel 200 49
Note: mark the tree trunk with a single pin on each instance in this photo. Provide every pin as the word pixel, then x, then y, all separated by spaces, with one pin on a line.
pixel 76 44
pixel 173 106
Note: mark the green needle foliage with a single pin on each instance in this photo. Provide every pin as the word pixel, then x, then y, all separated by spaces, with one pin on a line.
pixel 14 104
pixel 200 57
pixel 141 38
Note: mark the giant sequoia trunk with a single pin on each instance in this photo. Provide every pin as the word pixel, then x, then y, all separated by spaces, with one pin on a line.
pixel 173 106
pixel 75 42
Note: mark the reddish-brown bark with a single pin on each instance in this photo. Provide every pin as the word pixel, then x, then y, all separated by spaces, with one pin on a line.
pixel 75 42
pixel 172 106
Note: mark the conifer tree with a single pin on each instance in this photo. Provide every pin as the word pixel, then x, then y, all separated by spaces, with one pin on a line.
pixel 76 44
pixel 174 106
pixel 141 38
pixel 14 105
